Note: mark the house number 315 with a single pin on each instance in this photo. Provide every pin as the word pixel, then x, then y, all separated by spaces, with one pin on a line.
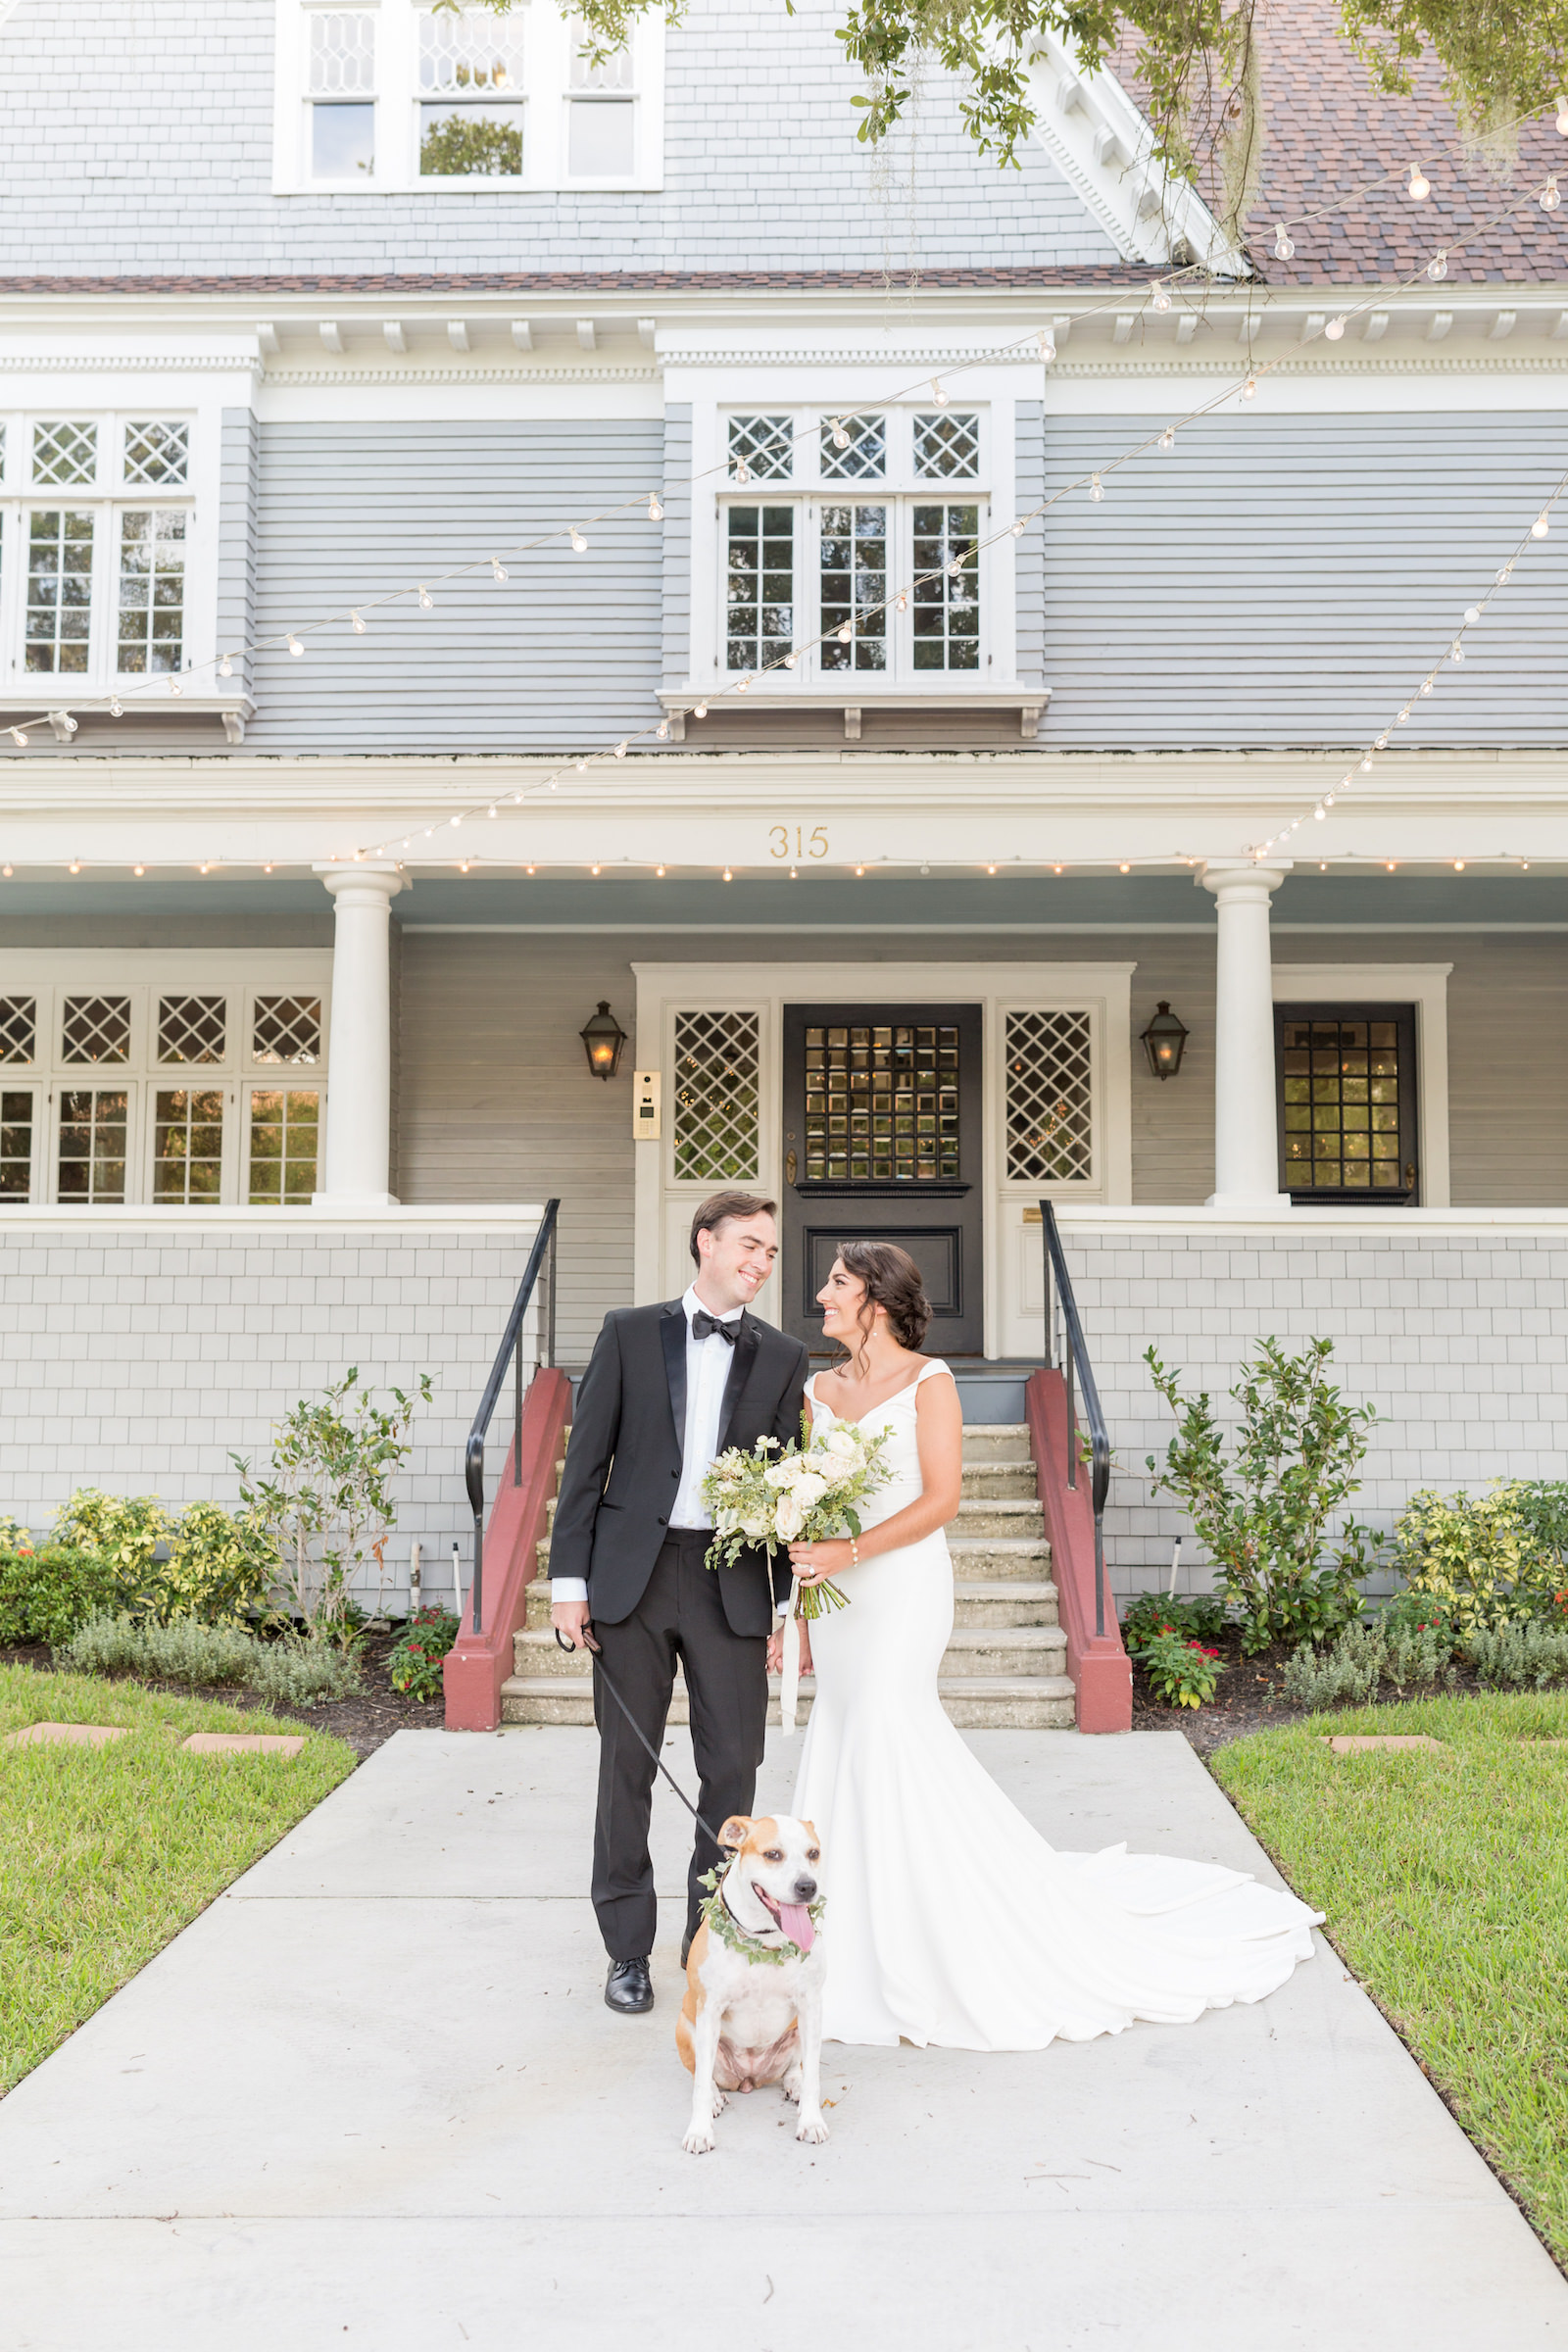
pixel 806 844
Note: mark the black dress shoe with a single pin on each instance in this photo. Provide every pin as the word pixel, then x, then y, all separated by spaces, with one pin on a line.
pixel 628 1988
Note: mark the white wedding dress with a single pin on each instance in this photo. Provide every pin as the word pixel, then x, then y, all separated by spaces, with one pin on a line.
pixel 950 1920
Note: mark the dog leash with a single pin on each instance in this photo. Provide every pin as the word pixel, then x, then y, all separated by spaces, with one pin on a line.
pixel 598 1657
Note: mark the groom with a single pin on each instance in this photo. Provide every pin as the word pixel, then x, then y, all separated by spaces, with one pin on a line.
pixel 667 1389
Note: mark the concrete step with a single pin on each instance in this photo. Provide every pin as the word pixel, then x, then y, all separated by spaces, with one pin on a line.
pixel 1009 1516
pixel 996 1442
pixel 985 1650
pixel 543 1698
pixel 992 1556
pixel 1042 1702
pixel 996 1479
pixel 1004 1601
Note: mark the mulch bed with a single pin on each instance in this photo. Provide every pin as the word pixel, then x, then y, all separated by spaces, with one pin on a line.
pixel 1251 1698
pixel 363 1722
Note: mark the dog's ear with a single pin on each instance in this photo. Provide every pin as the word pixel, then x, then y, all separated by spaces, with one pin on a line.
pixel 735 1831
pixel 809 1827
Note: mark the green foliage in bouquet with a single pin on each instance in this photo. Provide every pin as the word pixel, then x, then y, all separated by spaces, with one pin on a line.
pixel 807 1494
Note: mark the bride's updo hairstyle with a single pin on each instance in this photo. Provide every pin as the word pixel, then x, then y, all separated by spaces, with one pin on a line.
pixel 892 1280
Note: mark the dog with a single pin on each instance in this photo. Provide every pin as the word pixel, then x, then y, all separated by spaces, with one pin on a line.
pixel 752 2012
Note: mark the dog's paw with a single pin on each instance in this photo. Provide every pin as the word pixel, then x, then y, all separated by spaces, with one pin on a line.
pixel 812 2129
pixel 720 2102
pixel 698 2140
pixel 791 2086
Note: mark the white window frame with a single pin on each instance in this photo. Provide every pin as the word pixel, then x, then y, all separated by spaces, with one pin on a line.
pixel 144 975
pixel 547 96
pixel 1012 1243
pixel 991 396
pixel 107 497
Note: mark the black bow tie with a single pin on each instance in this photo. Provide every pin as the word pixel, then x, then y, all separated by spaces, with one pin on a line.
pixel 705 1325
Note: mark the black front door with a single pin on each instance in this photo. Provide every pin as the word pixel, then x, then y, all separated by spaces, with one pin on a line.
pixel 882 1142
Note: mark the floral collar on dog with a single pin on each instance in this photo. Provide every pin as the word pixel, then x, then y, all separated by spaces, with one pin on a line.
pixel 722 1922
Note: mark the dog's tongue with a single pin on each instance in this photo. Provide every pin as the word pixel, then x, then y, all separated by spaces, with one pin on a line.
pixel 795 1921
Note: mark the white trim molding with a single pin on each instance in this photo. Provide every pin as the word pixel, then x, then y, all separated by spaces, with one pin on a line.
pixel 1426 987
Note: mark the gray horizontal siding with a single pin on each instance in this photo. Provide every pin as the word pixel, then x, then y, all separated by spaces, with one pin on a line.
pixel 565 654
pixel 236 534
pixel 1289 580
pixel 1029 566
pixel 106 145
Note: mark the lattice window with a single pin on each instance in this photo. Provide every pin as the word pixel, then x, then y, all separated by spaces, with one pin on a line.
pixel 19 1028
pixel 287 1030
pixel 1343 1087
pixel 717 1096
pixel 469 52
pixel 615 73
pixel 285 1144
pixel 854 573
pixel 152 589
pixel 93 1125
pixel 946 445
pixel 1050 1098
pixel 471 80
pixel 95 1029
pixel 157 453
pixel 947 603
pixel 188 1144
pixel 64 452
pixel 759 585
pixel 342 52
pixel 60 544
pixel 17 1115
pixel 192 1028
pixel 882 1101
pixel 855 449
pixel 762 448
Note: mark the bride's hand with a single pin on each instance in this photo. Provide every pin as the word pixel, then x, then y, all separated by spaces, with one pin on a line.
pixel 816 1564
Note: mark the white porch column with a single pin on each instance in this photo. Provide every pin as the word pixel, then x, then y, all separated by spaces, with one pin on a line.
pixel 1247 1151
pixel 359 1108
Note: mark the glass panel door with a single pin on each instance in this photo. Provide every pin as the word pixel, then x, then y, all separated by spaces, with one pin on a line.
pixel 1347 1111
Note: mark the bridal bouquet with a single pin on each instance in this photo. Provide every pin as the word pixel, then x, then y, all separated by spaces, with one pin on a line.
pixel 806 1495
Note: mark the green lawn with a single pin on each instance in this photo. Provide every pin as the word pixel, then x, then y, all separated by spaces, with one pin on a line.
pixel 1444 1879
pixel 105 1853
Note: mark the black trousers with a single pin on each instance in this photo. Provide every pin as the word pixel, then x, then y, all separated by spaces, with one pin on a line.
pixel 680 1616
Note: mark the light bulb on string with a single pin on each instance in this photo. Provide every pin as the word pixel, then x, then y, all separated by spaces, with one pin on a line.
pixel 1320 813
pixel 19 737
pixel 1504 575
pixel 426 600
pixel 1056 870
pixel 728 876
pixel 743 472
pixel 902 601
pixel 174 686
pixel 592 869
pixel 1126 869
pixel 663 730
pixel 1366 765
pixel 743 685
pixel 116 708
pixel 660 871
pixel 845 631
pixel 621 751
pixel 841 433
pixel 699 711
pixel 1550 195
pixel 582 769
pixel 1456 651
pixel 860 870
pixel 493 813
pixel 1472 613
pixel 1389 865
pixel 1046 346
pixel 294 646
pixel 357 623
pixel 954 567
pixel 1541 526
pixel 8 871
pixel 455 821
pixel 939 393
pixel 792 661
pixel 1382 744
pixel 1020 527
pixel 1283 248
pixel 656 511
pixel 1403 719
pixel 580 545
pixel 1438 267
pixel 74 867
pixel 1167 439
pixel 1250 388
pixel 1458 865
pixel 498 570
pixel 1419 187
pixel 1562 113
pixel 1096 488
pixel 1427 685
pixel 1160 298
pixel 226 667
pixel 1334 330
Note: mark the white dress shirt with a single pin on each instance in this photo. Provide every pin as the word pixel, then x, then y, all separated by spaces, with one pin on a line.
pixel 708 1369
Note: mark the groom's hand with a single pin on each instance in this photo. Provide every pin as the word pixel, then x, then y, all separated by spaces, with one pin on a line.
pixel 570 1618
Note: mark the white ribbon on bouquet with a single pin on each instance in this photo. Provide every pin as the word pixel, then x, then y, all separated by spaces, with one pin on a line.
pixel 788 1695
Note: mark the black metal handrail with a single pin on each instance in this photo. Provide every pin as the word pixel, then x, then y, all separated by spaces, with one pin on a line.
pixel 541 1260
pixel 1065 1349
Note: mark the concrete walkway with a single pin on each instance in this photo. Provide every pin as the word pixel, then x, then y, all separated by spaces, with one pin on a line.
pixel 373 2097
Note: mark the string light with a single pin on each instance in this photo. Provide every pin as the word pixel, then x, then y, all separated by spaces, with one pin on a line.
pixel 498 570
pixel 174 686
pixel 1020 527
pixel 1438 267
pixel 19 737
pixel 426 600
pixel 656 511
pixel 1420 187
pixel 860 870
pixel 357 623
pixel 1541 526
pixel 1458 865
pixel 1250 388
pixel 743 472
pixel 939 392
pixel 1160 298
pixel 660 871
pixel 1126 869
pixel 8 871
pixel 592 869
pixel 1334 332
pixel 494 812
pixel 75 867
pixel 1096 488
pixel 663 730
pixel 1167 439
pixel 580 545
pixel 1046 344
pixel 294 645
pixel 1550 195
pixel 226 667
pixel 792 661
pixel 728 876
pixel 116 708
pixel 1283 248
pixel 699 711
pixel 621 751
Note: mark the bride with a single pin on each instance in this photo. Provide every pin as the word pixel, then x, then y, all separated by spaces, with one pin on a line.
pixel 951 1920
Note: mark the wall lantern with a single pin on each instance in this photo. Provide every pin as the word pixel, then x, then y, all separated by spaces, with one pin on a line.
pixel 1164 1041
pixel 601 1041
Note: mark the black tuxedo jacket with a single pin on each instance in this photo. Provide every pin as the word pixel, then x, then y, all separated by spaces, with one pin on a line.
pixel 623 1462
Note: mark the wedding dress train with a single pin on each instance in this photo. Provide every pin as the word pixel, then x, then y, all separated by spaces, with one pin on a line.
pixel 950 1920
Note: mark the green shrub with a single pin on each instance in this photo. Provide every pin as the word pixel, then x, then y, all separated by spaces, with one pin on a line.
pixel 219 1568
pixel 1477 1558
pixel 47 1593
pixel 1200 1616
pixel 290 1672
pixel 1530 1655
pixel 414 1663
pixel 122 1531
pixel 1399 1648
pixel 1262 1511
pixel 1183 1672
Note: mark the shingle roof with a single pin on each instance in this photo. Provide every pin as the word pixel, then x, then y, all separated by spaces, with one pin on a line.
pixel 1327 131
pixel 596 282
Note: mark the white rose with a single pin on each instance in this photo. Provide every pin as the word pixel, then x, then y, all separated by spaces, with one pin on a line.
pixel 757 1529
pixel 781 1475
pixel 789 1515
pixel 842 1444
pixel 809 1488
